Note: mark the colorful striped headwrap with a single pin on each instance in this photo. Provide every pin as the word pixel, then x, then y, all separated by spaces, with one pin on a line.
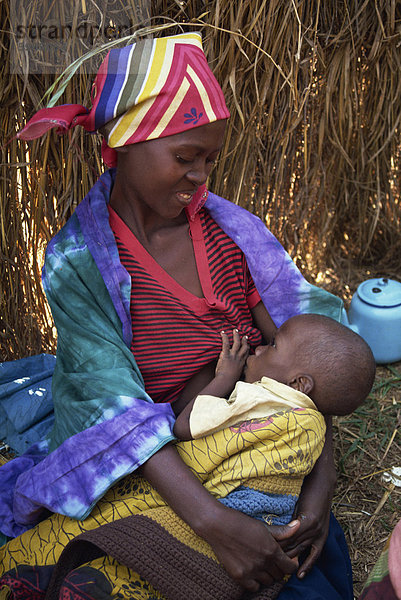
pixel 151 89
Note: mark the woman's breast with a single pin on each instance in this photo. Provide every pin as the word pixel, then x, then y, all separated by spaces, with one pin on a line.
pixel 171 343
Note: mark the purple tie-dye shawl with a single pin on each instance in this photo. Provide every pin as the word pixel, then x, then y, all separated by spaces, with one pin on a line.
pixel 106 424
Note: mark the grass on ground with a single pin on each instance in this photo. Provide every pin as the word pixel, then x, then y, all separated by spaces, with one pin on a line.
pixel 367 445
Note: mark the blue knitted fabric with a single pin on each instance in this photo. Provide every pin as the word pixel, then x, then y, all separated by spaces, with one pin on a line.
pixel 277 509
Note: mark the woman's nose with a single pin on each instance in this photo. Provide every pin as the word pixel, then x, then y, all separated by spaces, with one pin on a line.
pixel 199 173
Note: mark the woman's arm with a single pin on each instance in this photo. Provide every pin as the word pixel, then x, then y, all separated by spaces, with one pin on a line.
pixel 249 553
pixel 228 370
pixel 313 507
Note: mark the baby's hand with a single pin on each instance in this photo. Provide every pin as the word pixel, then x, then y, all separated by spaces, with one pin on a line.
pixel 232 360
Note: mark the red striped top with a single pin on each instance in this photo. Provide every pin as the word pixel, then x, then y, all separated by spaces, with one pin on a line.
pixel 175 333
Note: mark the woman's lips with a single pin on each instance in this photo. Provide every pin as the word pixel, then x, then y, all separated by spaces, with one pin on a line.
pixel 184 197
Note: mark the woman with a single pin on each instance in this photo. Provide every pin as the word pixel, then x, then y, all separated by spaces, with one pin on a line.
pixel 197 265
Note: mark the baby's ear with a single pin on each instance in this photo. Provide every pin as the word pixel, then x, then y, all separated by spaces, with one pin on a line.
pixel 302 383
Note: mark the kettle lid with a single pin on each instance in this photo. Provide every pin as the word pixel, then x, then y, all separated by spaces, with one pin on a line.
pixel 380 292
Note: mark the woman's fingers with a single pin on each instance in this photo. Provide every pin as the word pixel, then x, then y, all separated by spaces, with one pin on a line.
pixel 309 537
pixel 284 532
pixel 260 578
pixel 249 553
pixel 310 560
pixel 250 585
pixel 264 578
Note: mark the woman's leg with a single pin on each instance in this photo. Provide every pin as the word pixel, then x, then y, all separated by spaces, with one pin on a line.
pixel 105 579
pixel 254 454
pixel 331 576
pixel 100 579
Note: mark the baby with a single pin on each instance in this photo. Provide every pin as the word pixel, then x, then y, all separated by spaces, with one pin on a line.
pixel 312 362
pixel 313 367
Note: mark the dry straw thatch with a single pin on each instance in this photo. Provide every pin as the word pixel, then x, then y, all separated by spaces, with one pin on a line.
pixel 312 145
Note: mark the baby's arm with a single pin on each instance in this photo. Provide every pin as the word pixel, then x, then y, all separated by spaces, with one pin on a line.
pixel 228 370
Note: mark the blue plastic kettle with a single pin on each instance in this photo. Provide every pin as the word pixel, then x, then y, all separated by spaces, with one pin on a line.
pixel 375 313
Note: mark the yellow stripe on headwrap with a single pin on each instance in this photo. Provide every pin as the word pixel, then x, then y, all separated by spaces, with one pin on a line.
pixel 129 121
pixel 161 63
pixel 203 94
pixel 172 109
pixel 159 68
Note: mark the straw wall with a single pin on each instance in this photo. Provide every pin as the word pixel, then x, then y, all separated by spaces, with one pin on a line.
pixel 312 145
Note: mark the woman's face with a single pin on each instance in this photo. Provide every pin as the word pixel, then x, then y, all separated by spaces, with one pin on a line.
pixel 162 175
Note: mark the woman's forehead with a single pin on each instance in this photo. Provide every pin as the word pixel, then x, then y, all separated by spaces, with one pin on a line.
pixel 209 134
pixel 207 138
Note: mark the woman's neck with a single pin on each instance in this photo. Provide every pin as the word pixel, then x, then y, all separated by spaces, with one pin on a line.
pixel 145 224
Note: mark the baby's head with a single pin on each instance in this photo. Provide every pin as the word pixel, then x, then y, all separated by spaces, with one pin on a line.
pixel 320 357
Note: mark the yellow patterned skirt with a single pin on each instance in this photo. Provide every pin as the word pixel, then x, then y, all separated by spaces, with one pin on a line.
pixel 269 455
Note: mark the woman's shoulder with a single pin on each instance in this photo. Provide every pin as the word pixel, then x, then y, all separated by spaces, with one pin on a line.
pixel 90 217
pixel 244 228
pixel 218 206
pixel 69 237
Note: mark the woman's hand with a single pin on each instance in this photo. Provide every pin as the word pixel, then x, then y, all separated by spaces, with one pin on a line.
pixel 314 513
pixel 232 360
pixel 313 509
pixel 248 549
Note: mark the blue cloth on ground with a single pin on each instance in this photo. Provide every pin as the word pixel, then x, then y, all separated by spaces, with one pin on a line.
pixel 26 404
